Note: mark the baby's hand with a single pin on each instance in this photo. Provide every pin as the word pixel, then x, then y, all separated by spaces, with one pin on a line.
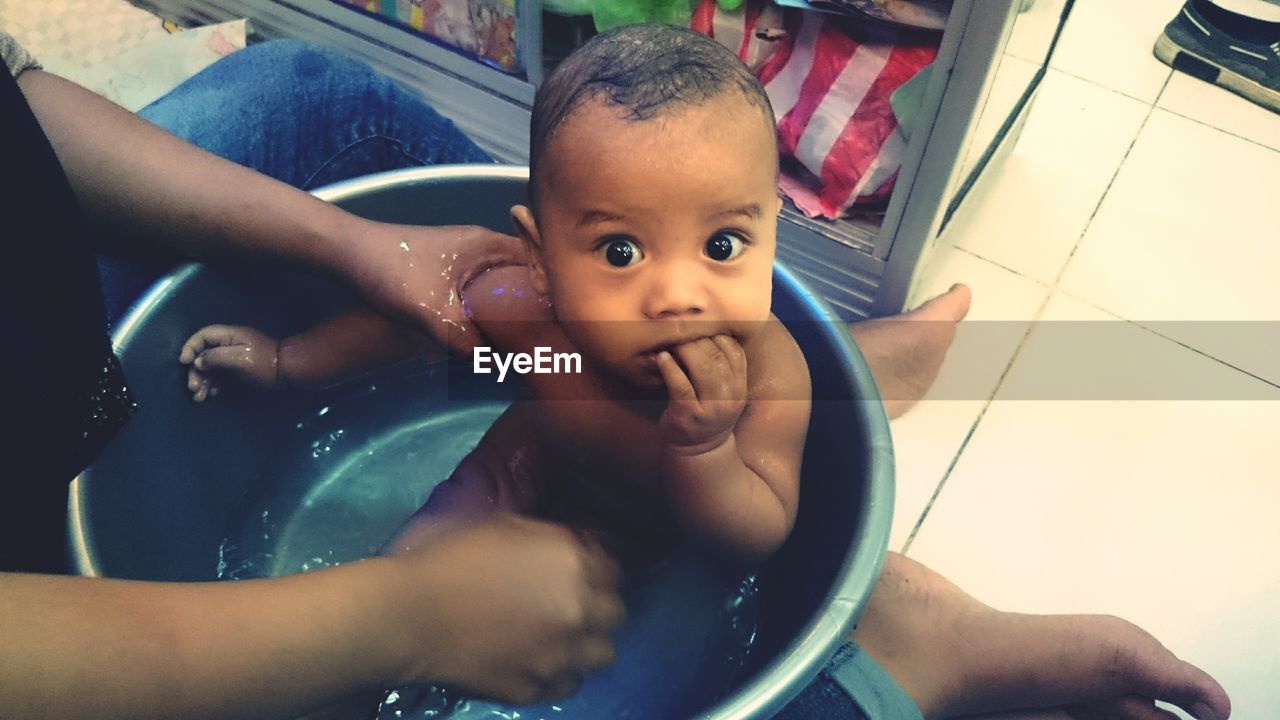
pixel 219 351
pixel 707 391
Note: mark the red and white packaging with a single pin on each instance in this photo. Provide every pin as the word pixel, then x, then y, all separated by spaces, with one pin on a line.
pixel 829 81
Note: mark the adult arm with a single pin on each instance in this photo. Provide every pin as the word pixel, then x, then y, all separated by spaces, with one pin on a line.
pixel 103 649
pixel 149 189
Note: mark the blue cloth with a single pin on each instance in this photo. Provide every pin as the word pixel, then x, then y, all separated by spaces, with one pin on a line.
pixel 851 687
pixel 300 114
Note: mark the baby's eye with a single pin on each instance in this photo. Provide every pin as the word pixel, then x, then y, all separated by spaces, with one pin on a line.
pixel 620 252
pixel 724 246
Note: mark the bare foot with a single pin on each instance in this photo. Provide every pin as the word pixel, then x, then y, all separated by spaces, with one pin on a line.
pixel 906 351
pixel 956 656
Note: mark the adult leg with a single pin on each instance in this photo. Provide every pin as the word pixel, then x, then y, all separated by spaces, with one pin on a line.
pixel 300 114
pixel 955 656
pixel 308 117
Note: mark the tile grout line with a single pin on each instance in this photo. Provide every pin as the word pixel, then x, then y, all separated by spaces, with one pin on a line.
pixel 1057 280
pixel 1237 136
pixel 1052 289
pixel 1175 341
pixel 964 444
pixel 1121 93
pixel 1006 268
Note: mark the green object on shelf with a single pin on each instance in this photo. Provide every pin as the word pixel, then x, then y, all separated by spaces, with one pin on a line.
pixel 729 5
pixel 609 14
pixel 569 8
pixel 907 100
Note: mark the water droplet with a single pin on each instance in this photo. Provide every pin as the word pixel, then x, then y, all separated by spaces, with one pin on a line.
pixel 323 411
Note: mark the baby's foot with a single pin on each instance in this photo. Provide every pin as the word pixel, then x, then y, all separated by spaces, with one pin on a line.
pixel 956 656
pixel 905 352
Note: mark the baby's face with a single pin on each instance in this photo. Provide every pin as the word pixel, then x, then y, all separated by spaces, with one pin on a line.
pixel 654 233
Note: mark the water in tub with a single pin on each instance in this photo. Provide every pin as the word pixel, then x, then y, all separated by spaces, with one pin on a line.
pixel 364 457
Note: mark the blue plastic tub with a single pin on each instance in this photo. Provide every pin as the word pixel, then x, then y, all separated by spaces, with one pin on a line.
pixel 252 485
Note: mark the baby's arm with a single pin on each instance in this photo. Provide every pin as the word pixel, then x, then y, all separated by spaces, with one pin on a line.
pixel 736 489
pixel 353 341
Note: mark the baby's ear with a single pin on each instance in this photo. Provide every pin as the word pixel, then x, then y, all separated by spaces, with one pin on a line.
pixel 527 229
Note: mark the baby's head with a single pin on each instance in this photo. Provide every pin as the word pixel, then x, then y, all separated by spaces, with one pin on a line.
pixel 653 188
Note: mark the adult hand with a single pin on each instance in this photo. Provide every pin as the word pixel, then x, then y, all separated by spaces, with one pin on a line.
pixel 418 273
pixel 521 608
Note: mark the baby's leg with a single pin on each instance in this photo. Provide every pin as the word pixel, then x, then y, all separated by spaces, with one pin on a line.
pixel 498 476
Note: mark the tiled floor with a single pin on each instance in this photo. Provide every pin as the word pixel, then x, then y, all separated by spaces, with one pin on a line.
pixel 1131 243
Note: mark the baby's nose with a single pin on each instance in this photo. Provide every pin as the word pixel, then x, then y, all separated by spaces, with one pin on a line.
pixel 675 292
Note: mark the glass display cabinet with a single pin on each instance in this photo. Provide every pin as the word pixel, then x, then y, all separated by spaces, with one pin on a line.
pixel 991 58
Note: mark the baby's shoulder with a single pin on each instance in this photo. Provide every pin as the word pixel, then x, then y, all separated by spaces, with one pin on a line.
pixel 776 367
pixel 508 311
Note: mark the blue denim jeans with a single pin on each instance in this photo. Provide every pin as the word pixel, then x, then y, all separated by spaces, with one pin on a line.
pixel 851 687
pixel 300 114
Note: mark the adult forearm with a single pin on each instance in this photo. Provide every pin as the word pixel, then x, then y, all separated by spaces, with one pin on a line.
pixel 92 648
pixel 144 187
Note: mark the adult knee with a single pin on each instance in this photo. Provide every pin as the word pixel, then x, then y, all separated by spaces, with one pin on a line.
pixel 298 62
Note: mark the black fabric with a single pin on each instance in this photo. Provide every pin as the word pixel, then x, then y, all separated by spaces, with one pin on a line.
pixel 1251 29
pixel 63 393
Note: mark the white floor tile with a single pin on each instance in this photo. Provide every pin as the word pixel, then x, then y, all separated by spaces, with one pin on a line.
pixel 928 437
pixel 1110 43
pixel 1033 211
pixel 1224 110
pixel 1033 31
pixel 1077 352
pixel 1188 233
pixel 1160 512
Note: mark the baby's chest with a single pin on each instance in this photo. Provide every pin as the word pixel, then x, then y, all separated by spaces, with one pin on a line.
pixel 604 440
pixel 602 468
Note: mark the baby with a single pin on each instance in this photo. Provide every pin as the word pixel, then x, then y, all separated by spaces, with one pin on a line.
pixel 650 237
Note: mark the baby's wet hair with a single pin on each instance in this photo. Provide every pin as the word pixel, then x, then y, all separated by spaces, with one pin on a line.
pixel 644 71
